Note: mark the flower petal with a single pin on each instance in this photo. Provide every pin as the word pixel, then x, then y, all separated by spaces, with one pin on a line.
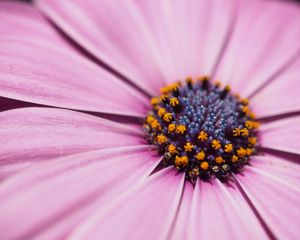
pixel 40 73
pixel 149 42
pixel 179 230
pixel 32 135
pixel 275 200
pixel 21 20
pixel 282 135
pixel 281 96
pixel 220 212
pixel 154 202
pixel 278 167
pixel 261 46
pixel 47 201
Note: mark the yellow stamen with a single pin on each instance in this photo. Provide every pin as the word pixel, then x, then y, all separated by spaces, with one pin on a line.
pixel 245 132
pixel 200 156
pixel 178 161
pixel 181 129
pixel 218 84
pixel 161 112
pixel 241 152
pixel 245 101
pixel 161 138
pixel 150 119
pixel 181 161
pixel 155 124
pixel 184 160
pixel 204 165
pixel 171 127
pixel 219 160
pixel 252 115
pixel 249 151
pixel 174 102
pixel 202 136
pixel 188 147
pixel 245 110
pixel 172 149
pixel 227 88
pixel 189 80
pixel 255 124
pixel 252 140
pixel 168 117
pixel 236 132
pixel 249 124
pixel 164 90
pixel 234 159
pixel 228 148
pixel 154 101
pixel 216 144
pixel 164 97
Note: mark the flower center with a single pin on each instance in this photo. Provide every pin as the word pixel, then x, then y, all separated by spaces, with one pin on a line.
pixel 202 129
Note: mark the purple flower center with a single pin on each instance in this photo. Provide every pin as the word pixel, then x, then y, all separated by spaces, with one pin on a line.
pixel 202 129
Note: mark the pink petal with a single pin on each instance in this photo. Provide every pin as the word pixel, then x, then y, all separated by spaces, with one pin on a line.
pixel 144 212
pixel 220 212
pixel 150 42
pixel 276 200
pixel 47 74
pixel 261 45
pixel 277 166
pixel 21 20
pixel 47 201
pixel 281 96
pixel 32 135
pixel 180 229
pixel 282 135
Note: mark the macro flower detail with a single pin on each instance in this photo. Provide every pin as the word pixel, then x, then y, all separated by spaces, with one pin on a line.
pixel 211 125
pixel 100 140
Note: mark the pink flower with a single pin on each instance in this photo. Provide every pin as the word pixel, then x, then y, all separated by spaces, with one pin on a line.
pixel 67 172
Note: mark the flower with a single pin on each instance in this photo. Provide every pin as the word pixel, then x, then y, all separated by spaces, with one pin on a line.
pixel 70 173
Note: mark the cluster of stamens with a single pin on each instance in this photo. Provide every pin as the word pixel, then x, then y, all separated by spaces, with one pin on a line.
pixel 202 129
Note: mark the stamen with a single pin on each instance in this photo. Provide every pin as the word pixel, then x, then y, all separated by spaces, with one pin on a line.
pixel 202 129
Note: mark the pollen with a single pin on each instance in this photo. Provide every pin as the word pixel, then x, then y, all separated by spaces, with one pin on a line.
pixel 204 165
pixel 202 129
pixel 244 132
pixel 216 144
pixel 181 161
pixel 155 124
pixel 252 140
pixel 172 149
pixel 161 112
pixel 174 102
pixel 171 127
pixel 236 132
pixel 249 124
pixel 150 119
pixel 154 101
pixel 181 129
pixel 161 138
pixel 200 156
pixel 202 136
pixel 167 117
pixel 188 147
pixel 245 110
pixel 241 152
pixel 228 148
pixel 234 158
pixel 219 160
